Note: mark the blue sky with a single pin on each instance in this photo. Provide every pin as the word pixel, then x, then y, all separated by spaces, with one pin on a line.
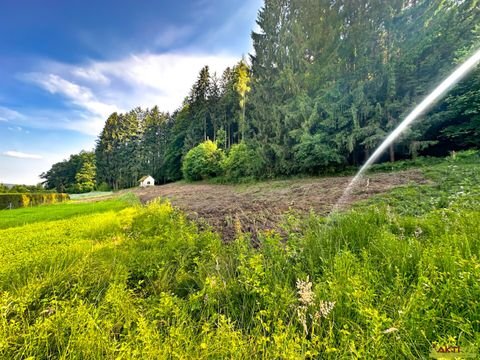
pixel 66 65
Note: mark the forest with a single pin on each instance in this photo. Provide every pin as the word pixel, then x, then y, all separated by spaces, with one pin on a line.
pixel 327 81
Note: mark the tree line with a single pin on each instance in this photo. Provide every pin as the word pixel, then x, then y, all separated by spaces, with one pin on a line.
pixel 75 175
pixel 21 189
pixel 328 80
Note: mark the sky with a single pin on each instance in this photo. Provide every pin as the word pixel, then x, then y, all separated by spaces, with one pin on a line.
pixel 65 66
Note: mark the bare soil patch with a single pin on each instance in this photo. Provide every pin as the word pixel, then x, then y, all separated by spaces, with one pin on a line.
pixel 261 206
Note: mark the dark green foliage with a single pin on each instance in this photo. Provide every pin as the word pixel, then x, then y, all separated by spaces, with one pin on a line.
pixel 314 155
pixel 176 148
pixel 154 140
pixel 456 179
pixel 332 79
pixel 203 162
pixel 75 175
pixel 23 189
pixel 151 142
pixel 241 162
pixel 118 151
pixel 133 145
pixel 200 128
pixel 460 118
pixel 12 201
pixel 104 187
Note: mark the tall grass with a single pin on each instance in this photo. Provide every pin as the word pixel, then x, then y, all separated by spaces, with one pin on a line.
pixel 146 283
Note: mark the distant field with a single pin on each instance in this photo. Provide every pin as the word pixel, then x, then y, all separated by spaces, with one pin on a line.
pixel 90 195
pixel 20 217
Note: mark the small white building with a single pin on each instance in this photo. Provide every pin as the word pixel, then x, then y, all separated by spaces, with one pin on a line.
pixel 147 181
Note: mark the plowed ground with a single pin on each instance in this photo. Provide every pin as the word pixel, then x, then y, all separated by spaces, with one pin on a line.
pixel 262 206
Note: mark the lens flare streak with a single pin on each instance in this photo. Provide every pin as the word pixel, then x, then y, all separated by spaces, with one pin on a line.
pixel 441 90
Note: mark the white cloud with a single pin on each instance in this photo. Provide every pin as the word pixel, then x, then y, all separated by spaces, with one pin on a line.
pixel 78 95
pixel 21 155
pixel 99 88
pixel 152 79
pixel 90 74
pixel 94 89
pixel 27 170
pixel 7 114
pixel 80 121
pixel 172 35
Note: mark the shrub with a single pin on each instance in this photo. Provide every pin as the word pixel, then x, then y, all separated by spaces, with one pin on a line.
pixel 241 162
pixel 316 154
pixel 466 155
pixel 202 162
pixel 20 189
pixel 103 187
pixel 23 200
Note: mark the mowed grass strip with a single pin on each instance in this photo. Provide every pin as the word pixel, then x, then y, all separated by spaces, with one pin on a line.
pixel 20 217
pixel 32 250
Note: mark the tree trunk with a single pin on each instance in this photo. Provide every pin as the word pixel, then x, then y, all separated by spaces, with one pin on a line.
pixel 205 128
pixel 392 153
pixel 367 154
pixel 226 141
pixel 243 123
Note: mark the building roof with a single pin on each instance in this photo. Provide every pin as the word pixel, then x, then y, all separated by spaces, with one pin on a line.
pixel 144 178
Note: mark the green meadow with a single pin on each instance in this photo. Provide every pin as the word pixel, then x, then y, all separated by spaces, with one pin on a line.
pixel 393 278
pixel 62 211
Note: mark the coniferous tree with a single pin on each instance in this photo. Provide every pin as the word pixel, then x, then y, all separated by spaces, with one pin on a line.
pixel 328 79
